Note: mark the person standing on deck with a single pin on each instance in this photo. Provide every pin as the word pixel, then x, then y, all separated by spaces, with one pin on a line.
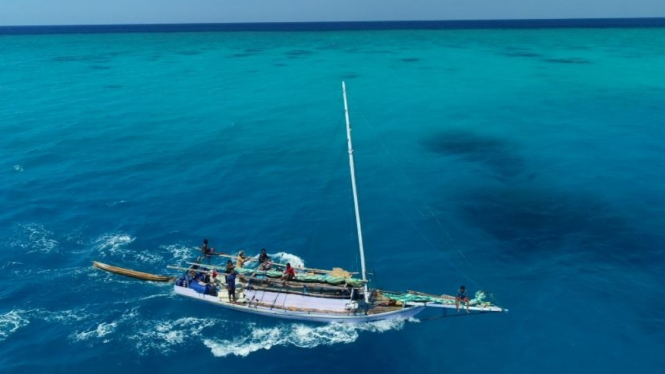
pixel 205 251
pixel 229 267
pixel 231 286
pixel 462 297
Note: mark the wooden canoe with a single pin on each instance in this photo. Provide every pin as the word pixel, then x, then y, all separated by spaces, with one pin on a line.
pixel 132 273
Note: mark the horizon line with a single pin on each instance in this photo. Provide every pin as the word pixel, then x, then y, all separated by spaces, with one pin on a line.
pixel 517 23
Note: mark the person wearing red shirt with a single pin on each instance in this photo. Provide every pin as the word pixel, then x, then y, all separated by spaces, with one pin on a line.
pixel 289 273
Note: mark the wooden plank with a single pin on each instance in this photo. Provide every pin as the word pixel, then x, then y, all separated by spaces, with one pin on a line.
pixel 222 268
pixel 284 265
pixel 274 280
pixel 132 273
pixel 430 295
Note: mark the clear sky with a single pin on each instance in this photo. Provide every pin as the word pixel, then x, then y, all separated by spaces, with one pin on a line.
pixel 76 12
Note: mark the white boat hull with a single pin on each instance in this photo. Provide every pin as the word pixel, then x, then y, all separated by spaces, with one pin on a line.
pixel 291 300
pixel 296 301
pixel 462 307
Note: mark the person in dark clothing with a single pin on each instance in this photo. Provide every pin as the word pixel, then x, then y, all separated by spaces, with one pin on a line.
pixel 462 297
pixel 229 267
pixel 231 286
pixel 264 260
pixel 205 251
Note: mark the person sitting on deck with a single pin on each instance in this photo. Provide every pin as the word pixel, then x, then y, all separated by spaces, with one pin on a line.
pixel 241 259
pixel 207 252
pixel 229 267
pixel 289 273
pixel 231 285
pixel 264 260
pixel 462 297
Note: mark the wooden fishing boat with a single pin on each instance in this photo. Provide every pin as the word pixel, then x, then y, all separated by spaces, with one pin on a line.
pixel 132 273
pixel 318 296
pixel 314 294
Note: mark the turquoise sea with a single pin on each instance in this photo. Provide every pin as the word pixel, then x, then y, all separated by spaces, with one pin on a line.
pixel 526 162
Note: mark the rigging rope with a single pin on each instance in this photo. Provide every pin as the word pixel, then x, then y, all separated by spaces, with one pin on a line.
pixel 429 210
pixel 318 202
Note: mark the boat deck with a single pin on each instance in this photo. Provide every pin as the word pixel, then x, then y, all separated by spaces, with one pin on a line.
pixel 295 311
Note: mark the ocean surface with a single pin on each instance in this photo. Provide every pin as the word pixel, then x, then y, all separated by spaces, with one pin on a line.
pixel 526 162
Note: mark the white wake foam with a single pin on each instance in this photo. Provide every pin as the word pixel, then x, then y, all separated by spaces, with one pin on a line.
pixel 181 252
pixel 114 203
pixel 18 168
pixel 163 336
pixel 148 256
pixel 112 243
pixel 284 257
pixel 10 322
pixel 76 237
pixel 116 244
pixel 34 238
pixel 10 264
pixel 63 316
pixel 102 330
pixel 159 285
pixel 298 335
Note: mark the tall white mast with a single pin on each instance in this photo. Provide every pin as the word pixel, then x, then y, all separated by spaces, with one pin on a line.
pixel 355 191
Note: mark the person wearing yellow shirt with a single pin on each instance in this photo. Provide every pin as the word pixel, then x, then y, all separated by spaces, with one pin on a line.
pixel 241 259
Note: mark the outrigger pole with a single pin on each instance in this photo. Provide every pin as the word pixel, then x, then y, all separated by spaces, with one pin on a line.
pixel 313 270
pixel 355 192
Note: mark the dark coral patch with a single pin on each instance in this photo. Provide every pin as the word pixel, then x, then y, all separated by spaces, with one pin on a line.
pixel 497 154
pixel 572 60
pixel 189 53
pixel 295 53
pixel 97 58
pixel 522 54
pixel 536 219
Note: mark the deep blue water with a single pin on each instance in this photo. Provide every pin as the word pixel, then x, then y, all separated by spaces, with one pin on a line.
pixel 528 162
